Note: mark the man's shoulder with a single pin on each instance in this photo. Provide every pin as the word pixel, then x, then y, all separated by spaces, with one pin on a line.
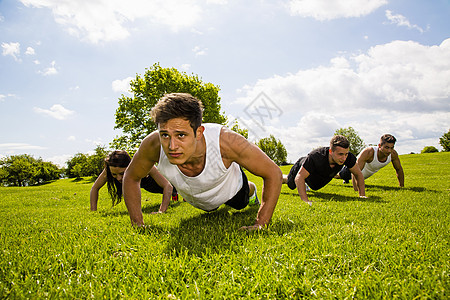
pixel 394 155
pixel 151 141
pixel 367 154
pixel 150 146
pixel 321 151
pixel 317 155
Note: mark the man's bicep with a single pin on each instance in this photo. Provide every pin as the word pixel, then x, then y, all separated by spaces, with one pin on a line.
pixel 303 173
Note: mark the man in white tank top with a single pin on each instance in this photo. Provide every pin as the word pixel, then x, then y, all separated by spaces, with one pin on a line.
pixel 372 159
pixel 201 161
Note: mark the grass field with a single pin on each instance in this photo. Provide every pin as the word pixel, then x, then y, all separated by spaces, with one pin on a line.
pixel 395 244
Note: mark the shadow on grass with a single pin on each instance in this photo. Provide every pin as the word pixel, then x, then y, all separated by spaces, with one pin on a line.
pixel 417 189
pixel 84 180
pixel 213 232
pixel 326 197
pixel 147 209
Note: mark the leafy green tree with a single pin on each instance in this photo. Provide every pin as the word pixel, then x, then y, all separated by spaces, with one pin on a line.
pixel 274 149
pixel 237 129
pixel 82 165
pixel 429 149
pixel 95 162
pixel 445 141
pixel 133 114
pixel 78 159
pixel 356 142
pixel 24 169
pixel 46 171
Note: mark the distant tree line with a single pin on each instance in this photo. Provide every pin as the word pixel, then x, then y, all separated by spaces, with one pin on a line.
pixel 24 169
pixel 83 165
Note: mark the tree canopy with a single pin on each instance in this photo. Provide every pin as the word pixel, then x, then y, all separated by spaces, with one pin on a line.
pixel 24 169
pixel 274 149
pixel 81 165
pixel 356 142
pixel 445 141
pixel 133 113
pixel 429 149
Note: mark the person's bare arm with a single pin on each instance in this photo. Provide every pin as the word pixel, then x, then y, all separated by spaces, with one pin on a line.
pixel 301 184
pixel 398 168
pixel 98 184
pixel 365 156
pixel 358 176
pixel 235 147
pixel 140 166
pixel 167 189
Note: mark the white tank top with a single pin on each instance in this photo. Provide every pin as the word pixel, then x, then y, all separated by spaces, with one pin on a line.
pixel 373 167
pixel 215 185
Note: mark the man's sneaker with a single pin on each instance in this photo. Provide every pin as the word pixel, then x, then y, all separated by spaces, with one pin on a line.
pixel 253 200
pixel 345 181
pixel 307 188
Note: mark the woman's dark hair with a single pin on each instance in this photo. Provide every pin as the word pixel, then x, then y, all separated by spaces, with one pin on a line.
pixel 119 159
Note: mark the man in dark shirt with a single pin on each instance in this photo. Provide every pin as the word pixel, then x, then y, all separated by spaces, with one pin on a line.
pixel 321 165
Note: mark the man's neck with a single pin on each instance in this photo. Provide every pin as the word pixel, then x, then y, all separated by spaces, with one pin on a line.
pixel 196 163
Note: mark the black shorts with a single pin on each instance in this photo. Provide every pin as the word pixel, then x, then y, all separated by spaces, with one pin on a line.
pixel 149 184
pixel 345 174
pixel 241 199
pixel 293 173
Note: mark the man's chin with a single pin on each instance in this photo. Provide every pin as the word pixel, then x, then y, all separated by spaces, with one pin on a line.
pixel 175 160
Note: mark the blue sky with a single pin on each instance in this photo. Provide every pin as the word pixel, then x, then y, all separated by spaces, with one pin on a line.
pixel 297 69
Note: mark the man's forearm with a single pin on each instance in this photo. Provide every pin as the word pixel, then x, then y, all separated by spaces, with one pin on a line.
pixel 269 198
pixel 132 197
pixel 301 189
pixel 361 186
pixel 401 178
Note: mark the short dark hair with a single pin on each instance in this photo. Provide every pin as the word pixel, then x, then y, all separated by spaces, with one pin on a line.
pixel 387 138
pixel 339 141
pixel 178 105
pixel 119 159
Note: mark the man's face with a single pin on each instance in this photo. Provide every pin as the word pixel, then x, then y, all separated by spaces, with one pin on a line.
pixel 339 155
pixel 178 140
pixel 386 148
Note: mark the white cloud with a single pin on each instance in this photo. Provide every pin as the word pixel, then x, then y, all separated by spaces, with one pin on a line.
pixel 30 51
pixel 11 147
pixel 113 16
pixel 219 2
pixel 36 62
pixel 71 138
pixel 185 67
pixel 333 9
pixel 199 51
pixel 401 87
pixel 50 70
pixel 402 21
pixel 60 160
pixel 3 97
pixel 122 86
pixel 12 49
pixel 57 111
